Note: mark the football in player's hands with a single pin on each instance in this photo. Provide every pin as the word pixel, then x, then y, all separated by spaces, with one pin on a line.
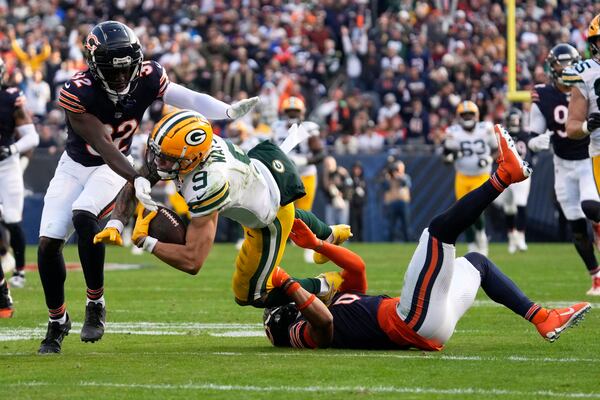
pixel 166 226
pixel 593 121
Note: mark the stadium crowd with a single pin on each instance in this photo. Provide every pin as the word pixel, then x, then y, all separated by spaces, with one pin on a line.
pixel 373 74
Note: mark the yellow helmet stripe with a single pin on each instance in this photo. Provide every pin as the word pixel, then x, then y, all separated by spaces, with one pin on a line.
pixel 170 123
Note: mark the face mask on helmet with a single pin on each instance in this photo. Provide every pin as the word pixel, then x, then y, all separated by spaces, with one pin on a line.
pixel 293 116
pixel 467 120
pixel 277 321
pixel 167 167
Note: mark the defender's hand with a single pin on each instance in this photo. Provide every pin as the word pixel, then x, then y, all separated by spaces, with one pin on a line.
pixel 142 192
pixel 593 122
pixel 241 107
pixel 109 236
pixel 302 236
pixel 140 231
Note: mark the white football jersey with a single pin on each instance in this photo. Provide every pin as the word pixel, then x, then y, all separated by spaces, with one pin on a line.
pixel 298 154
pixel 585 75
pixel 471 147
pixel 236 186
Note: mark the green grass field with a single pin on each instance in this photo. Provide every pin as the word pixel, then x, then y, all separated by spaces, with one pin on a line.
pixel 171 335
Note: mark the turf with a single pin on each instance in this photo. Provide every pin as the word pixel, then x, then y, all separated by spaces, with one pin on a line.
pixel 171 335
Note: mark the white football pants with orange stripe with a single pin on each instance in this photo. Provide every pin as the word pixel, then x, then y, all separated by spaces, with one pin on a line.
pixel 438 289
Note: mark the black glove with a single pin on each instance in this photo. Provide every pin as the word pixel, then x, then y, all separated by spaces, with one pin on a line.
pixel 5 152
pixel 593 121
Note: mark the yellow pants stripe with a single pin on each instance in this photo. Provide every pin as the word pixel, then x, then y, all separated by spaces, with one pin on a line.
pixel 261 252
pixel 596 166
pixel 464 184
pixel 310 187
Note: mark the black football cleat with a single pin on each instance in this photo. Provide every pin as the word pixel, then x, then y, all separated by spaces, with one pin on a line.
pixel 6 308
pixel 95 319
pixel 54 336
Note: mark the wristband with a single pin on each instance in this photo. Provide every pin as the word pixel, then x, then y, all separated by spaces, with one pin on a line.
pixel 115 223
pixel 291 287
pixel 149 244
pixel 584 128
pixel 307 302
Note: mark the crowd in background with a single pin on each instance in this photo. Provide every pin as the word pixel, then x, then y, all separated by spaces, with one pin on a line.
pixel 376 75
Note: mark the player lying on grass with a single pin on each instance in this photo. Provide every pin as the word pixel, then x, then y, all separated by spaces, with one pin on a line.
pixel 217 178
pixel 438 287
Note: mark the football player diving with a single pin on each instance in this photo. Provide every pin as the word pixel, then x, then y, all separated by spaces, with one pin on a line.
pixel 470 144
pixel 438 287
pixel 17 135
pixel 215 177
pixel 104 106
pixel 573 174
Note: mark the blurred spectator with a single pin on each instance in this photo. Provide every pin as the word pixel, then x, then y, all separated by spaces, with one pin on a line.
pixel 396 200
pixel 337 184
pixel 47 139
pixel 370 141
pixel 358 201
pixel 388 111
pixel 418 124
pixel 38 95
pixel 346 144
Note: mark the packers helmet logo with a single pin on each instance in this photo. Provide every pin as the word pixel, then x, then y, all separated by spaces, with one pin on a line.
pixel 195 137
pixel 92 43
pixel 278 166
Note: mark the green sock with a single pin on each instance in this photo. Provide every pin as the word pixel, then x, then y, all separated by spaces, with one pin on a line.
pixel 470 234
pixel 480 223
pixel 277 297
pixel 318 227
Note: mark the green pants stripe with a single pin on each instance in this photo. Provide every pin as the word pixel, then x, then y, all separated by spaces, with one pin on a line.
pixel 271 237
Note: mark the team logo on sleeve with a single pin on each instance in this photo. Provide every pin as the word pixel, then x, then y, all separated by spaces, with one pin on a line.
pixel 195 137
pixel 278 166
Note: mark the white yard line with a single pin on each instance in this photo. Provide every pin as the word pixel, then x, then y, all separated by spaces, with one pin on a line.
pixel 419 390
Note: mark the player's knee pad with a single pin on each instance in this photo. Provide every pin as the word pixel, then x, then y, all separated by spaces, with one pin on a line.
pixel 49 246
pixel 480 262
pixel 85 223
pixel 591 209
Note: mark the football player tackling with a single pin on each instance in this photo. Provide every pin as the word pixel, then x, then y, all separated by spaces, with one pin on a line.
pixel 438 287
pixel 216 177
pixel 104 106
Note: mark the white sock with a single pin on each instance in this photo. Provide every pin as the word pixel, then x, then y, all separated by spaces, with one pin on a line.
pixel 62 320
pixel 100 300
pixel 596 275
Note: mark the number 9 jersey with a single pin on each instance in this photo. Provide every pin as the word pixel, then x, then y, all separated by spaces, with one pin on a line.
pixel 83 94
pixel 585 76
pixel 473 149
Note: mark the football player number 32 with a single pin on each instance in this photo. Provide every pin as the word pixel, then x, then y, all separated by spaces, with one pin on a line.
pixel 119 135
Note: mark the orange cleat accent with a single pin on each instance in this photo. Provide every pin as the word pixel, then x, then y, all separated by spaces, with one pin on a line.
pixel 511 167
pixel 560 319
pixel 595 289
pixel 6 312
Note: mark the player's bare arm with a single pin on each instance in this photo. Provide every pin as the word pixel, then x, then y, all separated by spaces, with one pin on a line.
pixel 319 319
pixel 93 131
pixel 578 109
pixel 189 257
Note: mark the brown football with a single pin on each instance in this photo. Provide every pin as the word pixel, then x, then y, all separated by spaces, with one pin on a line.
pixel 167 227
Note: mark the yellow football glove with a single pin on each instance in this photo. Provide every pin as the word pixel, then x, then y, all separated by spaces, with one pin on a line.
pixel 109 236
pixel 142 224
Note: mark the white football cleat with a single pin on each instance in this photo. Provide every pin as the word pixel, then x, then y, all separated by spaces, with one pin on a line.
pixel 595 289
pixel 521 244
pixel 17 280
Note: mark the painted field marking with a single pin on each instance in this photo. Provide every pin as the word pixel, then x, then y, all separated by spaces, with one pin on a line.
pixel 328 389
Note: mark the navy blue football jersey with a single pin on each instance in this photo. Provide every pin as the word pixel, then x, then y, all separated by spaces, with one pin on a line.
pixel 554 105
pixel 83 94
pixel 355 324
pixel 8 97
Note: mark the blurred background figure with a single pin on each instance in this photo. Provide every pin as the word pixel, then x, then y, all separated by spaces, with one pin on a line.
pixel 358 201
pixel 337 186
pixel 396 202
